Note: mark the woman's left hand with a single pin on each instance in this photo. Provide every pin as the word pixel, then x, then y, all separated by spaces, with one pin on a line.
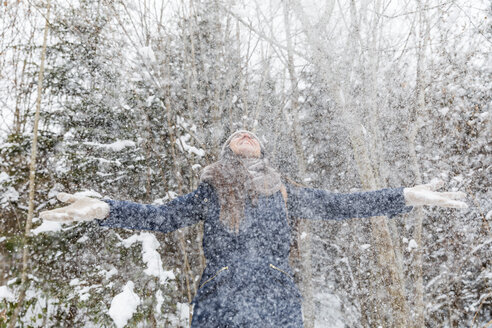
pixel 426 195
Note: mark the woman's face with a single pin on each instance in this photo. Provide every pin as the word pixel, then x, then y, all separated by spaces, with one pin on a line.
pixel 244 144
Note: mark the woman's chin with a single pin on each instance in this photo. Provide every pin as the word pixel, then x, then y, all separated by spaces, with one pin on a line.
pixel 246 153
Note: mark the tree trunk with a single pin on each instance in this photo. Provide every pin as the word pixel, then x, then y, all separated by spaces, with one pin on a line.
pixel 32 175
pixel 416 274
pixel 391 273
pixel 305 227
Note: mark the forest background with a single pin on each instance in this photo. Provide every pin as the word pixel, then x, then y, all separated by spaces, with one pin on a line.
pixel 138 96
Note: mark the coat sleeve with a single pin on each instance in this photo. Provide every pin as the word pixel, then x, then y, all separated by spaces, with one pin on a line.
pixel 182 211
pixel 317 204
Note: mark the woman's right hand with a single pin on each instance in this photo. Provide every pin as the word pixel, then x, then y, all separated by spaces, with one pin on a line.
pixel 82 208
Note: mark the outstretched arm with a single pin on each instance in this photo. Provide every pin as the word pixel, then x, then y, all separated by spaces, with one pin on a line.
pixel 320 204
pixel 317 204
pixel 180 212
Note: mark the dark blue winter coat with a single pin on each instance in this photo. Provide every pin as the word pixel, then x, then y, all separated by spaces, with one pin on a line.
pixel 248 281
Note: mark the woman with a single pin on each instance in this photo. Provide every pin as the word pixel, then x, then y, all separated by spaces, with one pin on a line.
pixel 245 207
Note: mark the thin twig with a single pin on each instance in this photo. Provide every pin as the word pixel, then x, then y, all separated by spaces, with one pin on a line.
pixel 263 36
pixel 478 310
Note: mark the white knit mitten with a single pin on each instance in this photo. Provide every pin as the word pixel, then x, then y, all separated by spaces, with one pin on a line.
pixel 83 208
pixel 426 195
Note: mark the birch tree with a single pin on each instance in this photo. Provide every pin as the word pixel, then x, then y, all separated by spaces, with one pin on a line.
pixel 304 228
pixel 32 176
pixel 417 119
pixel 389 269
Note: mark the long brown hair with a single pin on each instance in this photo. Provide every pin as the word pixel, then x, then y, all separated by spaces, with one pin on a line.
pixel 229 178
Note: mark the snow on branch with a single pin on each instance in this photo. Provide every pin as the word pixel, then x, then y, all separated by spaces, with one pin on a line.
pixel 118 145
pixel 150 256
pixel 183 146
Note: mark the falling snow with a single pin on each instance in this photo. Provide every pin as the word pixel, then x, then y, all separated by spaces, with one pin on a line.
pixel 137 99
